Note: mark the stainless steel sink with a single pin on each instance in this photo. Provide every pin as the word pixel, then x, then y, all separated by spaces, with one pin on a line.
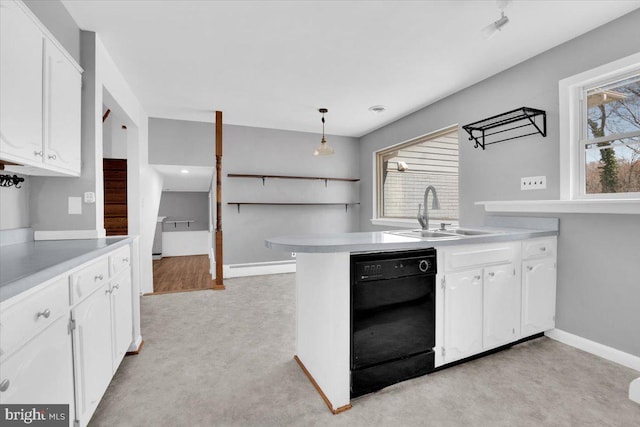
pixel 469 232
pixel 454 233
pixel 429 234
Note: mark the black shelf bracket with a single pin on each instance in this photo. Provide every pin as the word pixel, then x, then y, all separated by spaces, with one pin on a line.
pixel 482 129
pixel 9 181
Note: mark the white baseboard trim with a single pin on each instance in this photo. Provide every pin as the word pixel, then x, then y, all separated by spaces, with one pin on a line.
pixel 601 350
pixel 135 345
pixel 634 390
pixel 68 234
pixel 258 268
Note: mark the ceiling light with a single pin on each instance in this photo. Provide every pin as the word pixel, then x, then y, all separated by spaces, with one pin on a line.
pixel 378 109
pixel 184 171
pixel 323 149
pixel 493 28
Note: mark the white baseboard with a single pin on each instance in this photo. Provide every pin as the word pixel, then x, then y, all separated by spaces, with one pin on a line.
pixel 634 390
pixel 601 350
pixel 135 345
pixel 68 234
pixel 258 269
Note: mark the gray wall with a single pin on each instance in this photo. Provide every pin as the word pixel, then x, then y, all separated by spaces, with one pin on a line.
pixel 250 150
pixel 57 19
pixel 180 142
pixel 185 206
pixel 599 255
pixel 14 204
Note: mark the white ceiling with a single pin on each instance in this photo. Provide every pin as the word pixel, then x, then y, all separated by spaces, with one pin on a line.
pixel 198 178
pixel 274 63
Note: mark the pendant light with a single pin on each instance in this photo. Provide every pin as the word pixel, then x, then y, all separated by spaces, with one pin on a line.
pixel 323 149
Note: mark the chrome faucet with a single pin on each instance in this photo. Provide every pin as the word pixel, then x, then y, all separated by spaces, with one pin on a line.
pixel 423 218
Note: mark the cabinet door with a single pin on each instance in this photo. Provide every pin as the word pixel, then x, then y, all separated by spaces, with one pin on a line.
pixel 462 314
pixel 92 351
pixel 538 296
pixel 62 111
pixel 20 87
pixel 121 313
pixel 41 372
pixel 501 306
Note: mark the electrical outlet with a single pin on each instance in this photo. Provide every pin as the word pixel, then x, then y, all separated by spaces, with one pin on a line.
pixel 533 183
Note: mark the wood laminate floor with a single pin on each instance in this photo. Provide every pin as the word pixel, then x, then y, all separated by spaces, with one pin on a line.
pixel 181 273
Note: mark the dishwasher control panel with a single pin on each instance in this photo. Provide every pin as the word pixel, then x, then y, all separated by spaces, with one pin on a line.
pixel 392 265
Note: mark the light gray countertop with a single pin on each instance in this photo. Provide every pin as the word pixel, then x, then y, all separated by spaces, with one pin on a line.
pixel 27 264
pixel 389 240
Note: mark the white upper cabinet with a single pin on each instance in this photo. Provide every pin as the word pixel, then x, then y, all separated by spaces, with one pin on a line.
pixel 62 111
pixel 21 48
pixel 40 95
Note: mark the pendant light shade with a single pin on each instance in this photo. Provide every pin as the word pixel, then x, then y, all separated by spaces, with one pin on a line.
pixel 323 149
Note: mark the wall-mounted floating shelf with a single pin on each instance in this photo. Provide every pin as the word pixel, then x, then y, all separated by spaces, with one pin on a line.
pixel 346 205
pixel 264 177
pixel 480 130
pixel 180 221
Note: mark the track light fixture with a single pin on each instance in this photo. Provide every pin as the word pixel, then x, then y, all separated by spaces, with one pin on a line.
pixel 493 28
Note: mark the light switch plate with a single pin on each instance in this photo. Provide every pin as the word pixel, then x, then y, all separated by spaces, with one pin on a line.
pixel 533 183
pixel 75 206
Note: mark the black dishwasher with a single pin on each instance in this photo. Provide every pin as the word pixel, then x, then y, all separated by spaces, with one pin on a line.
pixel 392 318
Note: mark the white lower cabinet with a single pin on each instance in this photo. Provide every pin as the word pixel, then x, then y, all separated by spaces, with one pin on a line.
pixel 62 341
pixel 36 360
pixel 539 274
pixel 92 351
pixel 102 335
pixel 121 317
pixel 41 372
pixel 462 315
pixel 492 295
pixel 481 299
pixel 501 306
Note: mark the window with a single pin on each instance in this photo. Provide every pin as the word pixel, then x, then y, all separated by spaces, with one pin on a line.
pixel 405 170
pixel 610 142
pixel 600 132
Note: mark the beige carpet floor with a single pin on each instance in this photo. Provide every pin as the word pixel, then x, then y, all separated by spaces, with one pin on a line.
pixel 224 358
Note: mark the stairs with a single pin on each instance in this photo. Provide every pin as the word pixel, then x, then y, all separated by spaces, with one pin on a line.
pixel 115 197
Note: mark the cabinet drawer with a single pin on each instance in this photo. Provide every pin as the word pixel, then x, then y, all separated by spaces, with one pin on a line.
pixel 539 248
pixel 479 255
pixel 25 319
pixel 90 278
pixel 119 260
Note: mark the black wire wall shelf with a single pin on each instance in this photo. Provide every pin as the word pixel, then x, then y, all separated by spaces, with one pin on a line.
pixel 520 118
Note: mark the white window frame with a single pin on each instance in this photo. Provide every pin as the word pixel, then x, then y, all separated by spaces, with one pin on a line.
pixel 572 127
pixel 400 222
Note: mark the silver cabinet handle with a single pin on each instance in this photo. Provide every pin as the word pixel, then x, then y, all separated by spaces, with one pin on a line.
pixel 529 268
pixel 491 274
pixel 125 259
pixel 543 249
pixel 476 277
pixel 4 385
pixel 98 277
pixel 116 286
pixel 46 313
pixel 108 291
pixel 38 153
pixel 52 156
